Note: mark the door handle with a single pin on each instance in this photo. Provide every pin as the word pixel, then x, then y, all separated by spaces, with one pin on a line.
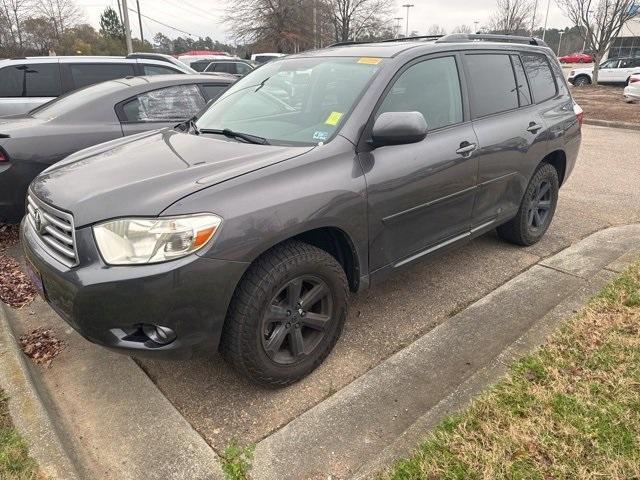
pixel 466 147
pixel 534 127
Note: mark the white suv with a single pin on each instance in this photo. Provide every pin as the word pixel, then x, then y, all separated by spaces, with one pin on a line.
pixel 612 70
pixel 28 82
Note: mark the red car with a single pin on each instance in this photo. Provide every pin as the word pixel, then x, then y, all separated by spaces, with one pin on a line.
pixel 576 58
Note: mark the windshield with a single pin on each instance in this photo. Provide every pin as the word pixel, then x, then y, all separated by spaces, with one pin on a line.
pixel 294 100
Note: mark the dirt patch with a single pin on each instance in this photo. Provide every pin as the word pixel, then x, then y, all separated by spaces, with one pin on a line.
pixel 606 103
pixel 41 346
pixel 16 290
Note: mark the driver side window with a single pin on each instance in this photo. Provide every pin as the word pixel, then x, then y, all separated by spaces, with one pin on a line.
pixel 431 87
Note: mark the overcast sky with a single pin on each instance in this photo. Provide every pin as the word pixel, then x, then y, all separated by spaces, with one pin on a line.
pixel 203 17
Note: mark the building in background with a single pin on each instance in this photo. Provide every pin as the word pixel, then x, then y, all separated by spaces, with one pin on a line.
pixel 628 43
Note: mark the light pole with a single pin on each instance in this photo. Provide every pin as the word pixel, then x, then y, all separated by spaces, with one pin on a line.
pixel 127 28
pixel 546 18
pixel 406 30
pixel 397 26
pixel 560 43
pixel 533 20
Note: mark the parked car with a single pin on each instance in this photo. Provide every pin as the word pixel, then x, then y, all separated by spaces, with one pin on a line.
pixel 265 57
pixel 26 83
pixel 613 70
pixel 245 230
pixel 31 142
pixel 193 58
pixel 577 57
pixel 632 91
pixel 239 68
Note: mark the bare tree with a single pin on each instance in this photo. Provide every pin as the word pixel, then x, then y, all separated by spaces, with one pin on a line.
pixel 273 24
pixel 462 29
pixel 352 18
pixel 436 30
pixel 512 16
pixel 63 14
pixel 601 22
pixel 13 13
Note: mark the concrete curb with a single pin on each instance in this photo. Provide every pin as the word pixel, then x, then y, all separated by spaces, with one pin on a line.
pixel 384 413
pixel 27 408
pixel 611 124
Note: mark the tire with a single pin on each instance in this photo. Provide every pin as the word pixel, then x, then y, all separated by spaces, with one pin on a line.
pixel 266 348
pixel 582 81
pixel 528 227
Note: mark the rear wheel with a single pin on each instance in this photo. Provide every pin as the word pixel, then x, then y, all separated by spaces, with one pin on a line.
pixel 286 315
pixel 536 209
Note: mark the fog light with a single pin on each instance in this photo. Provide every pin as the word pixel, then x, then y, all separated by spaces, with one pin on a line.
pixel 159 334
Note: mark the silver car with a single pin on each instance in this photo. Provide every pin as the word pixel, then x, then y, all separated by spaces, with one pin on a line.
pixel 28 82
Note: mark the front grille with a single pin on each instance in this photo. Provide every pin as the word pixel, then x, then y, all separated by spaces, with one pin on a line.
pixel 55 229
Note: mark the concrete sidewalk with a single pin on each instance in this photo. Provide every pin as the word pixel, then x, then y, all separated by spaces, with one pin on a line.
pixel 113 422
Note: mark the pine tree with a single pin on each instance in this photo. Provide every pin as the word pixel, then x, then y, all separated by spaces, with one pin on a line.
pixel 110 25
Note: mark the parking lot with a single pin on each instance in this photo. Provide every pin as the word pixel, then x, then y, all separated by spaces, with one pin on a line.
pixel 222 406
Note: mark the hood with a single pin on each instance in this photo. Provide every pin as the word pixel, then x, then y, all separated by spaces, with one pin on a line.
pixel 578 71
pixel 144 174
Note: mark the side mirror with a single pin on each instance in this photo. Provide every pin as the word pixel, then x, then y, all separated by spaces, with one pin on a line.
pixel 398 128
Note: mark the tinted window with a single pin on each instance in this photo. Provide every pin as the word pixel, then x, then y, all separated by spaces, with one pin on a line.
pixel 166 104
pixel 543 85
pixel 84 74
pixel 213 91
pixel 11 81
pixel 611 63
pixel 200 66
pixel 493 87
pixel 432 88
pixel 225 67
pixel 158 70
pixel 242 68
pixel 32 80
pixel 523 87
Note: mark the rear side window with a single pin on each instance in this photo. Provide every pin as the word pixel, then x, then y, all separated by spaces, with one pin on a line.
pixel 213 91
pixel 524 95
pixel 164 105
pixel 493 85
pixel 31 80
pixel 159 70
pixel 84 74
pixel 242 68
pixel 200 66
pixel 543 84
pixel 432 88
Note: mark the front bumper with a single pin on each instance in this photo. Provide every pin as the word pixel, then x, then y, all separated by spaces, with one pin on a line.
pixel 108 304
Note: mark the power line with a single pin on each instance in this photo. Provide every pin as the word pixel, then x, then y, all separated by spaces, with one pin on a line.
pixel 166 25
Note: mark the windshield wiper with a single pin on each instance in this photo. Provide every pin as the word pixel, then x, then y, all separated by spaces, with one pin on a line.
pixel 238 135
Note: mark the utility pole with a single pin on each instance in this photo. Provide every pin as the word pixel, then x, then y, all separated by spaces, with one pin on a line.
pixel 127 28
pixel 560 43
pixel 546 18
pixel 406 30
pixel 120 11
pixel 140 21
pixel 315 25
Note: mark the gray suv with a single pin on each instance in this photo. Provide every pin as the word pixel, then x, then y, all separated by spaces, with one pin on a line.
pixel 245 229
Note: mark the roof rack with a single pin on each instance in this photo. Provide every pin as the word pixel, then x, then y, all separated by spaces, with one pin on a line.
pixel 403 39
pixel 488 37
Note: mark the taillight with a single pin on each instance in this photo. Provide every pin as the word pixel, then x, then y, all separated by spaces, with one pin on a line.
pixel 3 157
pixel 634 79
pixel 579 113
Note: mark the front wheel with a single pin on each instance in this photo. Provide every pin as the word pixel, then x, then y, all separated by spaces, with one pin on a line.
pixel 536 209
pixel 286 314
pixel 582 82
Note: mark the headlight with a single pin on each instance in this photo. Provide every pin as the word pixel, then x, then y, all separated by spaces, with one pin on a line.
pixel 152 240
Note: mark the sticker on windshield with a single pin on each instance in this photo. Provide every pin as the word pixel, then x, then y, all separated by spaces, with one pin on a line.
pixel 333 118
pixel 321 136
pixel 369 60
